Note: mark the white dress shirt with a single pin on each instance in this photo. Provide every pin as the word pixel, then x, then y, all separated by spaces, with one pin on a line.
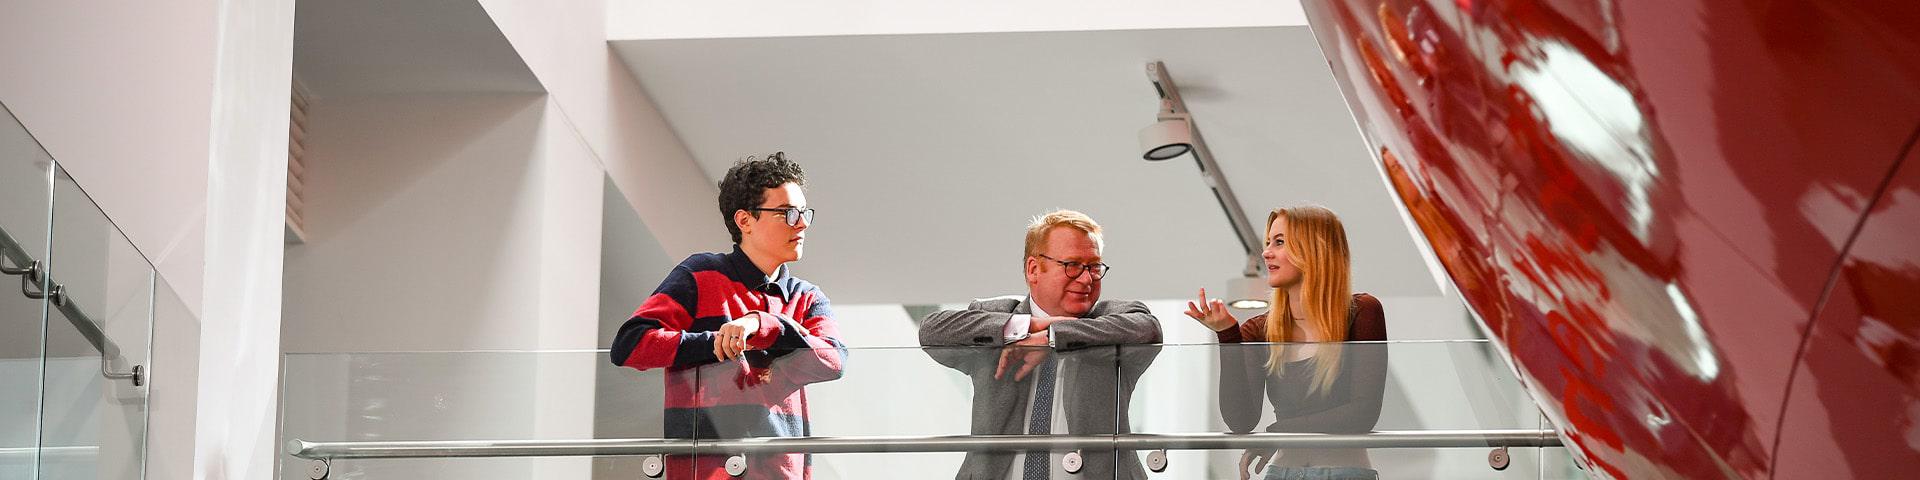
pixel 1017 330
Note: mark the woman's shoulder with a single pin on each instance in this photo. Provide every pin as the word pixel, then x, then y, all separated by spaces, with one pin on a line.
pixel 1369 319
pixel 1364 300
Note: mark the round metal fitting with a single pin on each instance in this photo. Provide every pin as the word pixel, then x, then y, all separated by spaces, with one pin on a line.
pixel 1498 458
pixel 1071 462
pixel 653 466
pixel 737 465
pixel 1157 461
pixel 318 469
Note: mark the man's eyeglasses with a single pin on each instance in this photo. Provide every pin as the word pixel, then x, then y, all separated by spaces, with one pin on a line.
pixel 793 215
pixel 1074 269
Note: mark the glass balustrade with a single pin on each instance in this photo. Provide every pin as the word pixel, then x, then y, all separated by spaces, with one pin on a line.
pixel 76 316
pixel 1404 409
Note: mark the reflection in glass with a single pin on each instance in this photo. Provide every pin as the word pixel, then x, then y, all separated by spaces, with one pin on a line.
pixel 1061 386
pixel 760 394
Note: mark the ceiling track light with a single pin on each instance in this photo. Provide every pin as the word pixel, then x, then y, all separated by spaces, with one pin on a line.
pixel 1173 134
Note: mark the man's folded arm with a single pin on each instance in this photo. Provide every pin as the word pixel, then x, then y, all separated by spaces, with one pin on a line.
pixel 1129 324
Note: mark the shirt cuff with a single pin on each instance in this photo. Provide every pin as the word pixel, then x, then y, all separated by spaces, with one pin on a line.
pixel 1050 336
pixel 1016 329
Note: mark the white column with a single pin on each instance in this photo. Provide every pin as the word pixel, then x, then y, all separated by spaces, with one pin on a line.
pixel 246 195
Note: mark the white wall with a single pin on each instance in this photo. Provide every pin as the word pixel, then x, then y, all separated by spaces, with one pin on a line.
pixel 446 222
pixel 121 94
pixel 451 222
pixel 661 19
pixel 565 45
pixel 125 96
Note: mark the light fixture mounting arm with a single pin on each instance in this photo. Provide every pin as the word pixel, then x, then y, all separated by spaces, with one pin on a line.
pixel 1171 103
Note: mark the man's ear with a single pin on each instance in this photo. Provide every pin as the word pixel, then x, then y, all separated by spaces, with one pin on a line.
pixel 1032 270
pixel 743 220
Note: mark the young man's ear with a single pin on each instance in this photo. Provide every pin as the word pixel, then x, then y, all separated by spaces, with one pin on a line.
pixel 740 219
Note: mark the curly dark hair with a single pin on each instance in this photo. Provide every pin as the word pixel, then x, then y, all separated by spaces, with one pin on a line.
pixel 746 184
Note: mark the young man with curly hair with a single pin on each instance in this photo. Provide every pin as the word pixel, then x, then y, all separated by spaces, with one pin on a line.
pixel 739 335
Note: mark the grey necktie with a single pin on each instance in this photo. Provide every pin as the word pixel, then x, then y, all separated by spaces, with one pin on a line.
pixel 1042 421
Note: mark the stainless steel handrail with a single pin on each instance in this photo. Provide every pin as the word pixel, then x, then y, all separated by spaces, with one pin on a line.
pixel 954 443
pixel 32 272
pixel 83 452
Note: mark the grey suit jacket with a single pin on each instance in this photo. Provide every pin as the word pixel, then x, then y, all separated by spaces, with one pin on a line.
pixel 1088 352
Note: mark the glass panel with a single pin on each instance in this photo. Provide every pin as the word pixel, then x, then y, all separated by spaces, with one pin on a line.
pixel 890 395
pixel 25 176
pixel 101 330
pixel 1414 386
pixel 901 392
pixel 380 397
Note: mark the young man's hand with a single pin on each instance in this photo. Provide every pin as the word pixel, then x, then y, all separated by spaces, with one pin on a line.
pixel 731 339
pixel 1022 356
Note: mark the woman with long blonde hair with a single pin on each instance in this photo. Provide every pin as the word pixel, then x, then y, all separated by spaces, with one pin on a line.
pixel 1315 383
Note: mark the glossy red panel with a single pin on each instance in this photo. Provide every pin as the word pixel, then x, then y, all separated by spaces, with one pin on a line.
pixel 1642 200
pixel 1855 407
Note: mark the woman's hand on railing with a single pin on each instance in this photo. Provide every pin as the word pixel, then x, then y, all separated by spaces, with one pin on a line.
pixel 1212 313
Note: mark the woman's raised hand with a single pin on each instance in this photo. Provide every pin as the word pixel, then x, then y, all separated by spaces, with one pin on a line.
pixel 1211 312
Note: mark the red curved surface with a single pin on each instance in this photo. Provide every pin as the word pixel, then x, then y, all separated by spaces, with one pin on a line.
pixel 1688 222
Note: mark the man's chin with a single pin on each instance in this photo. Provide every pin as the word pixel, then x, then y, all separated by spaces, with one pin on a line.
pixel 1077 309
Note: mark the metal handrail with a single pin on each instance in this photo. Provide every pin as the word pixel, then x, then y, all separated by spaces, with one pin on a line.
pixel 50 453
pixel 32 272
pixel 885 444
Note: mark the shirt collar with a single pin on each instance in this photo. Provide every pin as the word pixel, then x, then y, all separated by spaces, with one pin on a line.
pixel 1033 309
pixel 742 269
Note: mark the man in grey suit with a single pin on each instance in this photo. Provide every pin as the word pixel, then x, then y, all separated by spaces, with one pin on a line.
pixel 1059 361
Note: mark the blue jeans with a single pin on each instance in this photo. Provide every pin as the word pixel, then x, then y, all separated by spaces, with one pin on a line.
pixel 1321 473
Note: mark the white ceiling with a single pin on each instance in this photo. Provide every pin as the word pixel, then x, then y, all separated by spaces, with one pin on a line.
pixel 926 154
pixel 373 47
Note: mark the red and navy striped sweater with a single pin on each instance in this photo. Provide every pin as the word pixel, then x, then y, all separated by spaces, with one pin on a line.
pixel 758 395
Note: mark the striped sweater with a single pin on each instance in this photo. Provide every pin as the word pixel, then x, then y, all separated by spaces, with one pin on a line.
pixel 758 395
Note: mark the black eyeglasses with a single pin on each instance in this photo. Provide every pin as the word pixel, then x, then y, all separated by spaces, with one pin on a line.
pixel 1074 269
pixel 793 215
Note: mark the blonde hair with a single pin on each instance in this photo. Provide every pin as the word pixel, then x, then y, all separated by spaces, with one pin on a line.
pixel 1317 244
pixel 1041 225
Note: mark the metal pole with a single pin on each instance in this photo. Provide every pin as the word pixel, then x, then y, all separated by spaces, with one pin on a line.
pixel 954 443
pixel 1209 169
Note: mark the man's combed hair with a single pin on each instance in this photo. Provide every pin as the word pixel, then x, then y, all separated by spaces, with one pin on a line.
pixel 1038 228
pixel 745 185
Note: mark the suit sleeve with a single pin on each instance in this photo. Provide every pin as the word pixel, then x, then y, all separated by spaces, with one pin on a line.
pixel 1366 366
pixel 1126 323
pixel 656 335
pixel 945 334
pixel 974 327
